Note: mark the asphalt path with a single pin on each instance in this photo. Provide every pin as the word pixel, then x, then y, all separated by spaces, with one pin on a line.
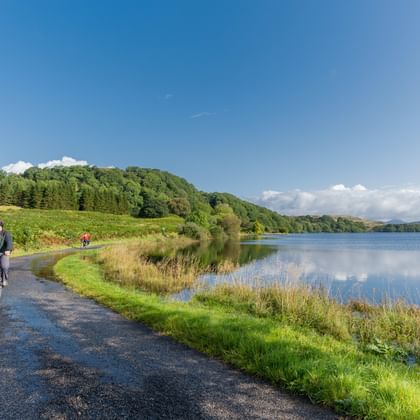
pixel 63 356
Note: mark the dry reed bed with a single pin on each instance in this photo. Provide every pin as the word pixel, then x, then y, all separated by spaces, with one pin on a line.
pixel 155 265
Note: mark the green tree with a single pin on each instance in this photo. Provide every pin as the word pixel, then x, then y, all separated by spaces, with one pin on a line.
pixel 153 206
pixel 200 218
pixel 258 228
pixel 231 225
pixel 180 206
pixel 192 230
pixel 87 198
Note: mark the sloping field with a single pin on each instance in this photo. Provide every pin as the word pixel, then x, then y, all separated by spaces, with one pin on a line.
pixel 44 229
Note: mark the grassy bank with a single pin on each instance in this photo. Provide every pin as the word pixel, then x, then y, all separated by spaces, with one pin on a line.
pixel 149 265
pixel 390 330
pixel 42 230
pixel 328 369
pixel 156 265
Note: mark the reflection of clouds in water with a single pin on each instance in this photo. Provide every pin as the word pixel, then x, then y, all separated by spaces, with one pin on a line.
pixel 321 266
pixel 359 277
pixel 371 266
pixel 355 265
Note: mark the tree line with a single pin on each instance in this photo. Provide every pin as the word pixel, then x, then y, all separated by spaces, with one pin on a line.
pixel 150 193
pixel 403 227
pixel 59 195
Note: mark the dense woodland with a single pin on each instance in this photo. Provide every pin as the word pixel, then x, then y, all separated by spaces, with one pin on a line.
pixel 152 193
pixel 402 227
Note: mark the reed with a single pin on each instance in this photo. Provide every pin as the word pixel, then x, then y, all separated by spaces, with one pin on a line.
pixel 331 371
pixel 150 265
pixel 390 329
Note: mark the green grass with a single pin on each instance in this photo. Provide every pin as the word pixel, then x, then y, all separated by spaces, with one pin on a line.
pixel 155 265
pixel 389 329
pixel 150 265
pixel 41 230
pixel 330 371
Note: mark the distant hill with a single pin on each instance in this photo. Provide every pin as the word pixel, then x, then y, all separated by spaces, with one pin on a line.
pixel 150 193
pixel 370 224
pixel 405 227
pixel 396 222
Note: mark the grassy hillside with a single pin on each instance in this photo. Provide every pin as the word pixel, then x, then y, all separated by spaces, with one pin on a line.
pixel 42 229
pixel 151 193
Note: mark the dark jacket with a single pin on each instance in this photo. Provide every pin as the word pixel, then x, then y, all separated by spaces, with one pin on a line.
pixel 6 241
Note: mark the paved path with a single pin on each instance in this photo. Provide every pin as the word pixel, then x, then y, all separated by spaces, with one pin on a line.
pixel 65 357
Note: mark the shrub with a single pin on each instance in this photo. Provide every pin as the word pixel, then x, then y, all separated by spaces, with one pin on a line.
pixel 231 225
pixel 193 231
pixel 153 207
pixel 258 228
pixel 199 218
pixel 180 206
pixel 217 231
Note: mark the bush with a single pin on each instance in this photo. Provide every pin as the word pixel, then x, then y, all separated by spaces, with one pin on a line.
pixel 180 206
pixel 199 218
pixel 193 231
pixel 217 231
pixel 231 225
pixel 153 207
pixel 258 228
pixel 26 236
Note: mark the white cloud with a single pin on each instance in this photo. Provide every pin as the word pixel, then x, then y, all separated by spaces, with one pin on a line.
pixel 379 204
pixel 65 161
pixel 202 114
pixel 17 168
pixel 339 187
pixel 20 167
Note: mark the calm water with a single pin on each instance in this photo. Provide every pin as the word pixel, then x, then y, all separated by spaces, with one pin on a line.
pixel 370 266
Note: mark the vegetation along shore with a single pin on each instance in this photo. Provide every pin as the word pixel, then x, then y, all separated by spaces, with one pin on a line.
pixel 359 358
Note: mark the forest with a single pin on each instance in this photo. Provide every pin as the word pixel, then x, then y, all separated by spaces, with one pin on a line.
pixel 152 193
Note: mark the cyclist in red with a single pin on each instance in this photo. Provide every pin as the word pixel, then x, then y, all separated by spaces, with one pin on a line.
pixel 85 239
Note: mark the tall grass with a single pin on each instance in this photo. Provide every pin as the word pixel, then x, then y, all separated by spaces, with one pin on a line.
pixel 151 265
pixel 331 371
pixel 155 264
pixel 388 329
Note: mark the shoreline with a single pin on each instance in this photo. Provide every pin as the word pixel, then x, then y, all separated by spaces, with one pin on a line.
pixel 331 371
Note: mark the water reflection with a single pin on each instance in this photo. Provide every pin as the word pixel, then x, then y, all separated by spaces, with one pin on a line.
pixel 212 254
pixel 369 266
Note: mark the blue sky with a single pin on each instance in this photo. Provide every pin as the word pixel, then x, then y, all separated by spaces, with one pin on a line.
pixel 239 96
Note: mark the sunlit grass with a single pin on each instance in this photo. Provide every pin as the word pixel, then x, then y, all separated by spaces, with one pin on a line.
pixel 155 265
pixel 390 329
pixel 328 367
pixel 131 265
pixel 35 230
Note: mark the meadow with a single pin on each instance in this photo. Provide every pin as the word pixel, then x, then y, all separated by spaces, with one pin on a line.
pixel 39 230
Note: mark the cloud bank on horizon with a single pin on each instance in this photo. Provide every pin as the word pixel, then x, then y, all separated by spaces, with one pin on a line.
pixel 376 204
pixel 20 167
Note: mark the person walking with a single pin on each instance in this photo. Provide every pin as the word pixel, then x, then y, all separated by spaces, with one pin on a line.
pixel 6 248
